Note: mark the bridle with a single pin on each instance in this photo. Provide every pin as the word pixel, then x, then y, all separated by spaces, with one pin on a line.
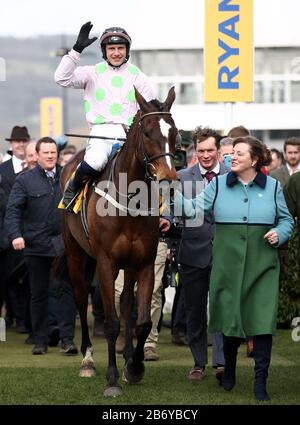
pixel 147 160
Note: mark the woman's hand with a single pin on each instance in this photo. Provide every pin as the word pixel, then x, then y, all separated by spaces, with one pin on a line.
pixel 271 237
pixel 183 207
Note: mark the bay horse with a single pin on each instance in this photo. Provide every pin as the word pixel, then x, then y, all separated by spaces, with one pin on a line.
pixel 122 242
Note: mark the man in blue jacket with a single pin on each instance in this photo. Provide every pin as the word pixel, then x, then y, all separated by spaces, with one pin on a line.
pixel 33 226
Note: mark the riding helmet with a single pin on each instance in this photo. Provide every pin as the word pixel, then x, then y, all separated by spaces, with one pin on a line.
pixel 115 35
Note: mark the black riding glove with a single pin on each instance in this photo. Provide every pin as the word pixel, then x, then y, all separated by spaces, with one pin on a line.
pixel 83 39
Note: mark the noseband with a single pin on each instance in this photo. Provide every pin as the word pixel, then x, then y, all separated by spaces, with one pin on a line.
pixel 146 159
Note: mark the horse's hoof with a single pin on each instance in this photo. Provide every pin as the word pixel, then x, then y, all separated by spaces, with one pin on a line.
pixel 87 372
pixel 112 391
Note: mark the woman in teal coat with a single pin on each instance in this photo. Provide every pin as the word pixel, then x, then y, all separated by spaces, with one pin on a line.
pixel 251 221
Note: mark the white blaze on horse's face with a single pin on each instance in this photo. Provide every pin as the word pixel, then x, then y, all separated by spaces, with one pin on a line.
pixel 164 128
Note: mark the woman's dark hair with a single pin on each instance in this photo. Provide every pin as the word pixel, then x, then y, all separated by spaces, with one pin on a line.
pixel 258 150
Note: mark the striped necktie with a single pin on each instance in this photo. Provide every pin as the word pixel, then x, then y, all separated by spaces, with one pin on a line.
pixel 50 174
pixel 209 175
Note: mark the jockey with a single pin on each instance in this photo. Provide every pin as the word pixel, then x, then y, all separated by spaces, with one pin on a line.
pixel 109 98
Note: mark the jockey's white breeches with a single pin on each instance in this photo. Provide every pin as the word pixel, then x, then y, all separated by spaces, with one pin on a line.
pixel 97 151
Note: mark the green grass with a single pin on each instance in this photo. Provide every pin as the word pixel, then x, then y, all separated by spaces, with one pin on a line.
pixel 53 379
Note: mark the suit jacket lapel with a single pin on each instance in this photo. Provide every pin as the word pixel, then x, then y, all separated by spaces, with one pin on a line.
pixel 196 173
pixel 286 173
pixel 197 177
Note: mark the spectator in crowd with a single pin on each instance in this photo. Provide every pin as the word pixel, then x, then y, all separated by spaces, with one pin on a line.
pixel 226 149
pixel 10 289
pixel 292 196
pixel 288 250
pixel 30 154
pixel 178 320
pixel 238 131
pixel 191 156
pixel 195 256
pixel 33 227
pixel 277 160
pixel 291 150
pixel 109 95
pixel 245 272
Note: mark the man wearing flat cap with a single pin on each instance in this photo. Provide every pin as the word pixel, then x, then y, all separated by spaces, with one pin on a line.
pixel 9 260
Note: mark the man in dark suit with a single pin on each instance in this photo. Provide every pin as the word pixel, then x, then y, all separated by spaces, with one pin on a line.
pixel 195 255
pixel 291 151
pixel 283 174
pixel 10 288
pixel 33 226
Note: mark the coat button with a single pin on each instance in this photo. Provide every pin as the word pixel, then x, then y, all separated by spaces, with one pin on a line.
pixel 244 218
pixel 246 200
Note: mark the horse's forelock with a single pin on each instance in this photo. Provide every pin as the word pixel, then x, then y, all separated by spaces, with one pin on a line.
pixel 157 104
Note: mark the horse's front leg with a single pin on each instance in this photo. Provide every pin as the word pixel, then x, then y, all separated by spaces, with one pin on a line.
pixel 134 370
pixel 107 275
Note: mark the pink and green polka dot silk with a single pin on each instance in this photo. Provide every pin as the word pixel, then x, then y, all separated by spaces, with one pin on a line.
pixel 109 95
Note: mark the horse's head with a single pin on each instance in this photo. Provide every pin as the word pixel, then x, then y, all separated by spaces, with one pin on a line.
pixel 158 135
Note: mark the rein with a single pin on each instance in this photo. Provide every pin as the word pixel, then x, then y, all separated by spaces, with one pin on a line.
pixel 121 139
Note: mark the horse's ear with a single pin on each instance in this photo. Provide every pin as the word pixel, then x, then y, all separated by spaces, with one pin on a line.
pixel 140 100
pixel 170 98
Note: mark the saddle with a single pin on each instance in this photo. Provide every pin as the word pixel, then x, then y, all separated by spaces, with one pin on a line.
pixel 81 196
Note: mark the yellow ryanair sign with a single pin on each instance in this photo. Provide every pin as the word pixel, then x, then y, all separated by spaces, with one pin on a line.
pixel 228 51
pixel 51 116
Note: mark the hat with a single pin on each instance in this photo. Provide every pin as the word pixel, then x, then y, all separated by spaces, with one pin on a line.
pixel 19 133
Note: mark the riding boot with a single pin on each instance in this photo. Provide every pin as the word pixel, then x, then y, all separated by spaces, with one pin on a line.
pixel 230 348
pixel 262 346
pixel 75 184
